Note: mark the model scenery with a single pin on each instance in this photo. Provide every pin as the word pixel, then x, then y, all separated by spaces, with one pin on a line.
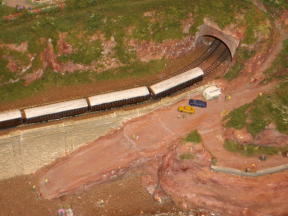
pixel 143 108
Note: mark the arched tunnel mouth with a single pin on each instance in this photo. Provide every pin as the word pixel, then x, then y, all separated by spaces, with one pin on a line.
pixel 208 40
pixel 212 53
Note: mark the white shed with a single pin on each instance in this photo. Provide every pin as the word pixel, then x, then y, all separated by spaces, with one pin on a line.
pixel 211 92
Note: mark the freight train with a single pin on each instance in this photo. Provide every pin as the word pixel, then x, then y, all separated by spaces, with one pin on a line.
pixel 100 102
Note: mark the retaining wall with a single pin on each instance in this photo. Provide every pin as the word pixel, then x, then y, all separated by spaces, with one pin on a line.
pixel 25 151
pixel 262 172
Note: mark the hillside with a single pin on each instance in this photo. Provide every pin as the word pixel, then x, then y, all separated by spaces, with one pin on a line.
pixel 72 51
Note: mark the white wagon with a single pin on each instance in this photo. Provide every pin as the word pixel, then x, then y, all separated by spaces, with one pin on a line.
pixel 177 82
pixel 10 118
pixel 56 111
pixel 118 98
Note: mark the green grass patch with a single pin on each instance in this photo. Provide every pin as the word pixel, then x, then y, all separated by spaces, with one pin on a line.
pixel 242 55
pixel 84 52
pixel 265 109
pixel 186 156
pixel 279 67
pixel 135 69
pixel 234 71
pixel 275 7
pixel 15 91
pixel 237 118
pixel 194 136
pixel 252 150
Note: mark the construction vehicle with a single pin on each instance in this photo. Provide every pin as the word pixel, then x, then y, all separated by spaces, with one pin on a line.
pixel 186 109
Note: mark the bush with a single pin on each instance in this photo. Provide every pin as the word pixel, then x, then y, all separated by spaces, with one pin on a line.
pixel 186 156
pixel 251 150
pixel 241 56
pixel 237 118
pixel 279 65
pixel 194 136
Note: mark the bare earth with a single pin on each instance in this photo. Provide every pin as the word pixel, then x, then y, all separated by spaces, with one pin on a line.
pixel 154 141
pixel 153 135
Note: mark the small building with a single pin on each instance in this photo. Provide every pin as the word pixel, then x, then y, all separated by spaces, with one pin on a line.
pixel 211 92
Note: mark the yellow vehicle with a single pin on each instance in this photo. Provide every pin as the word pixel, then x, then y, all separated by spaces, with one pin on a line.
pixel 186 109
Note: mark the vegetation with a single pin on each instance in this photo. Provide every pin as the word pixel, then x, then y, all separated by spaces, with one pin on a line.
pixel 194 136
pixel 237 118
pixel 186 156
pixel 154 20
pixel 265 109
pixel 251 150
pixel 51 79
pixel 275 7
pixel 280 65
pixel 242 55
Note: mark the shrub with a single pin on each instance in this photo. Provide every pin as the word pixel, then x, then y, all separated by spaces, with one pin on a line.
pixel 186 156
pixel 237 118
pixel 194 136
pixel 251 150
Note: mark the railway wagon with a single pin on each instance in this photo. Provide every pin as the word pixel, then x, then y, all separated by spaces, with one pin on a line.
pixel 118 98
pixel 55 111
pixel 10 118
pixel 177 82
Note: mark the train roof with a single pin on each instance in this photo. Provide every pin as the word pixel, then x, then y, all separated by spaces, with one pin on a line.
pixel 55 108
pixel 118 95
pixel 10 115
pixel 176 80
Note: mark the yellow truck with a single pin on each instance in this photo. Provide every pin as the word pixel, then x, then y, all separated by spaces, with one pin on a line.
pixel 186 109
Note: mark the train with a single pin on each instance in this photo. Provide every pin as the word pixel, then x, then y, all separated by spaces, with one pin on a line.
pixel 101 102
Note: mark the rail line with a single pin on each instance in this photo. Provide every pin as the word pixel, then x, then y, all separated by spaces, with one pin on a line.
pixel 205 55
pixel 217 62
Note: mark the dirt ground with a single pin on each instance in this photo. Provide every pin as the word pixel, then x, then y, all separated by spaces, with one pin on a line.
pixel 14 3
pixel 126 149
pixel 18 197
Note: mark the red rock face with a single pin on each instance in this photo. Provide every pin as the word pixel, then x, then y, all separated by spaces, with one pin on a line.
pixel 271 137
pixel 191 183
pixel 241 136
pixel 268 137
pixel 149 50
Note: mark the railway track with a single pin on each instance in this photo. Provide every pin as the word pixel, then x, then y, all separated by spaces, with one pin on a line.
pixel 208 53
pixel 221 58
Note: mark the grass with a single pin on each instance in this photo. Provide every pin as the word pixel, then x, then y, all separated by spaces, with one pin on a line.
pixel 186 156
pixel 193 136
pixel 265 109
pixel 252 150
pixel 279 66
pixel 50 79
pixel 237 118
pixel 111 17
pixel 276 7
pixel 242 55
pixel 84 52
pixel 268 108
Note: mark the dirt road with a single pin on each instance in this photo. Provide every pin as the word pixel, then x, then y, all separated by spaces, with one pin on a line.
pixel 142 139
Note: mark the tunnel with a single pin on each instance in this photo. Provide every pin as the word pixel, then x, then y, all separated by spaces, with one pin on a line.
pixel 206 33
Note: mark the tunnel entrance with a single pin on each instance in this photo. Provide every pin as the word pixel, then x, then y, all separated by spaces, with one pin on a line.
pixel 207 33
